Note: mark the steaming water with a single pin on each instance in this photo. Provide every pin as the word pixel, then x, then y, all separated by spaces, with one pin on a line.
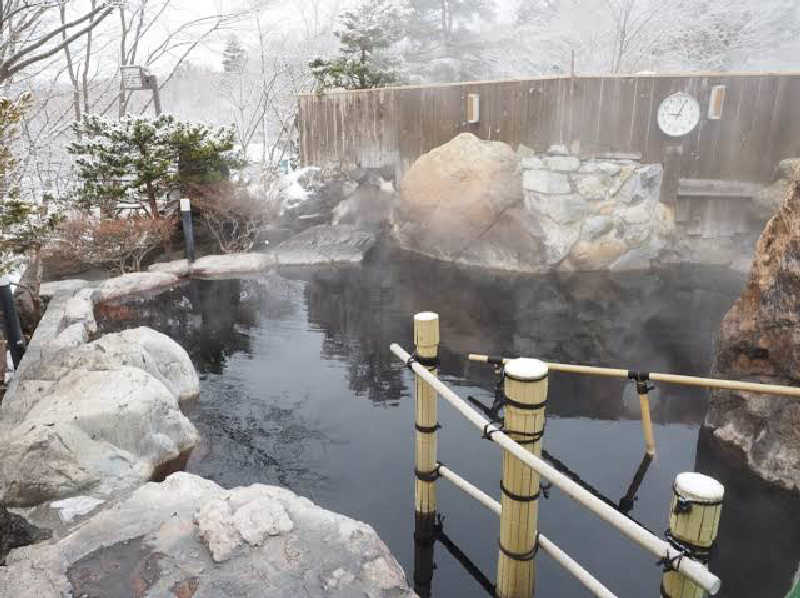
pixel 299 388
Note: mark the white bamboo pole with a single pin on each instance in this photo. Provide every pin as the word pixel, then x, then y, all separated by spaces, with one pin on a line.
pixel 658 547
pixel 463 485
pixel 558 555
pixel 772 389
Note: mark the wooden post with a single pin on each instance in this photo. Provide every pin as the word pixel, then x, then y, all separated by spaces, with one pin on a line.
pixel 14 337
pixel 525 386
pixel 693 525
pixel 426 339
pixel 188 230
pixel 642 389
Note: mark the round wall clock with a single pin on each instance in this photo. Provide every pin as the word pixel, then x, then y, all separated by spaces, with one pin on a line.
pixel 678 114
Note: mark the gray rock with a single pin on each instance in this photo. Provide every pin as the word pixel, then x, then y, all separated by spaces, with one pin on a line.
pixel 325 244
pixel 232 264
pixel 15 531
pixel 80 309
pixel 303 550
pixel 58 287
pixel 143 348
pixel 77 506
pixel 136 282
pixel 561 209
pixel 562 163
pixel 178 268
pixel 596 226
pixel 96 430
pixel 558 150
pixel 635 259
pixel 609 168
pixel 545 181
pixel 524 152
pixel 532 163
pixel 71 337
pixel 592 186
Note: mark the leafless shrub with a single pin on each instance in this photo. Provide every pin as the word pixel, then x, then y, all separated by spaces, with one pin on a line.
pixel 119 243
pixel 233 214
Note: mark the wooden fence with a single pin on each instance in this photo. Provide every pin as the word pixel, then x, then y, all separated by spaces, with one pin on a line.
pixel 759 126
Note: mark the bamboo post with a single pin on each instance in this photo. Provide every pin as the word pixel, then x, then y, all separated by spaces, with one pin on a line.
pixel 643 390
pixel 693 525
pixel 659 547
pixel 525 386
pixel 426 339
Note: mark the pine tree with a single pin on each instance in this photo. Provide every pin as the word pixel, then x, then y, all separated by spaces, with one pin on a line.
pixel 365 34
pixel 146 158
pixel 234 56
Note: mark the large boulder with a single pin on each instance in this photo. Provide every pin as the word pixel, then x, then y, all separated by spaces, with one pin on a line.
pixel 760 340
pixel 188 536
pixel 95 417
pixel 142 348
pixel 97 430
pixel 463 202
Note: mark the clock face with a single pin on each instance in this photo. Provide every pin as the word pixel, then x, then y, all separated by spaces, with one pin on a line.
pixel 678 114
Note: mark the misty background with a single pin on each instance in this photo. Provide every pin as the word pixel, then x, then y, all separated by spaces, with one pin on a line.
pixel 242 63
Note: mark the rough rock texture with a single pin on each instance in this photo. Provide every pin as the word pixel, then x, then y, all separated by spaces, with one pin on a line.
pixel 94 430
pixel 597 214
pixel 93 416
pixel 189 537
pixel 15 531
pixel 760 340
pixel 136 282
pixel 324 245
pixel 463 202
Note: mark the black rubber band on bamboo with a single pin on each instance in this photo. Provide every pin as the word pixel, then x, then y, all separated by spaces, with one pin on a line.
pixel 518 497
pixel 530 437
pixel 523 406
pixel 428 362
pixel 524 556
pixel 684 505
pixel 427 429
pixel 700 553
pixel 494 360
pixel 487 432
pixel 427 476
pixel 638 376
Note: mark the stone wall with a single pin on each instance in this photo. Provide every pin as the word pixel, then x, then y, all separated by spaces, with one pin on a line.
pixel 596 214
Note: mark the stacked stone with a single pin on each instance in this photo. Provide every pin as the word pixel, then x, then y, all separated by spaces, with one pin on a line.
pixel 596 213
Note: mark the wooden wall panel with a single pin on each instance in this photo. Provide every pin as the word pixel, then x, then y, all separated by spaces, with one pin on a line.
pixel 760 124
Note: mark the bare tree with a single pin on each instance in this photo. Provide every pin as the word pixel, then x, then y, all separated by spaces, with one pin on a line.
pixel 30 31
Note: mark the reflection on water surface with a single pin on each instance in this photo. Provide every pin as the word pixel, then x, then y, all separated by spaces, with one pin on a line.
pixel 299 389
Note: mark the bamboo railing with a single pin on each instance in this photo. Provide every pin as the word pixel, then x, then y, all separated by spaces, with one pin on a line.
pixel 696 501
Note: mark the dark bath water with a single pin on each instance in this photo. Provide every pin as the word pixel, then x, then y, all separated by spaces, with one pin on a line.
pixel 299 389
